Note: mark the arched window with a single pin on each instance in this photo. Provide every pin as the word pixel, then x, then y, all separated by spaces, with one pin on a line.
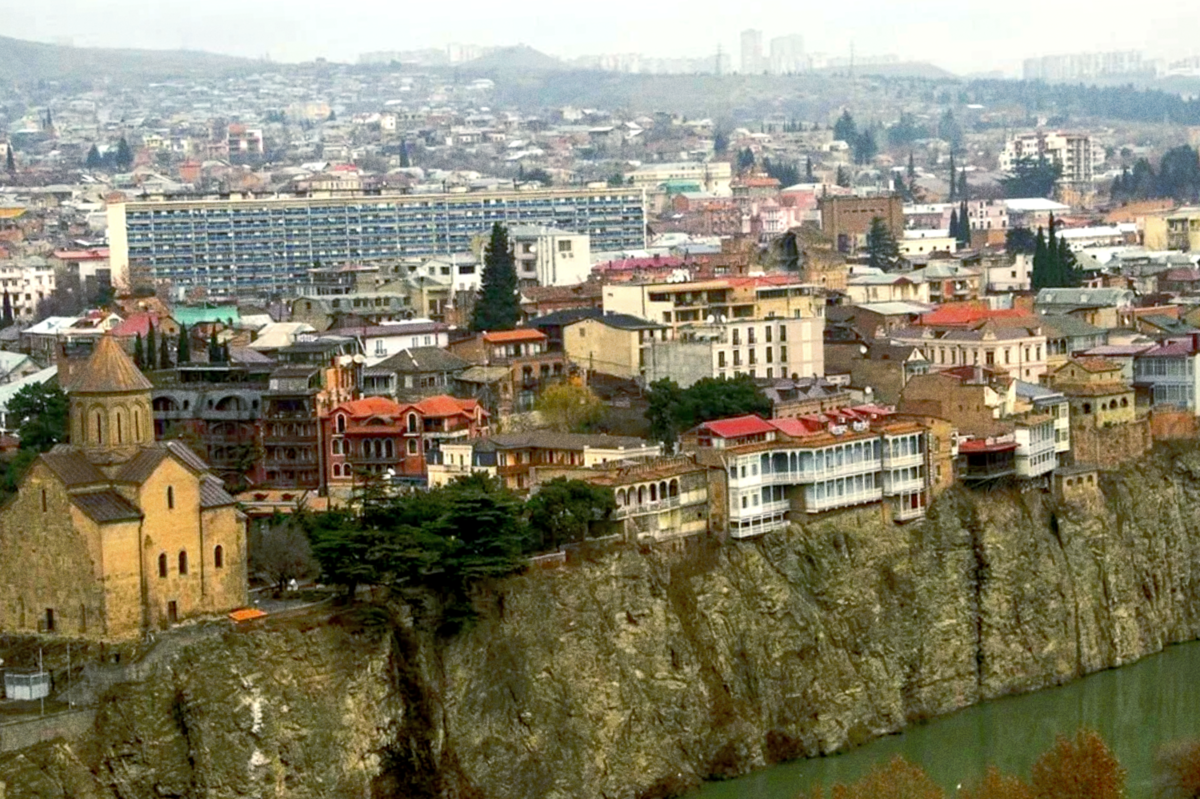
pixel 341 423
pixel 389 448
pixel 336 446
pixel 337 470
pixel 641 494
pixel 171 497
pixel 137 425
pixel 183 561
pixel 674 488
pixel 1087 407
pixel 219 556
pixel 162 565
pixel 43 500
pixel 1124 402
pixel 120 428
pixel 412 423
pixel 99 428
pixel 653 492
pixel 412 447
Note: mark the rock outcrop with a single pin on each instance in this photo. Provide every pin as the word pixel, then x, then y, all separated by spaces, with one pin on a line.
pixel 638 673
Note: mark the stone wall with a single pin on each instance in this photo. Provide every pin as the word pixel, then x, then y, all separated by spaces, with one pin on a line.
pixel 1113 446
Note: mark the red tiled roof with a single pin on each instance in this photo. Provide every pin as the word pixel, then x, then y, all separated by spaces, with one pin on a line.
pixel 968 315
pixel 98 254
pixel 982 445
pixel 445 405
pixel 740 426
pixel 137 324
pixel 1098 364
pixel 502 336
pixel 799 428
pixel 371 406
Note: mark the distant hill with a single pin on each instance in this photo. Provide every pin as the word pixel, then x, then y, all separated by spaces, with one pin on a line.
pixel 26 61
pixel 521 58
pixel 907 69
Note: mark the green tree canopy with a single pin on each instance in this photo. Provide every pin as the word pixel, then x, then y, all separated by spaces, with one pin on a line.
pixel 673 410
pixel 124 156
pixel 40 410
pixel 845 129
pixel 498 305
pixel 183 350
pixel 1031 177
pixel 882 250
pixel 94 161
pixel 563 510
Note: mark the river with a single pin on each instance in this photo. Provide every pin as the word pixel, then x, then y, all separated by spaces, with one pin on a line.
pixel 1136 708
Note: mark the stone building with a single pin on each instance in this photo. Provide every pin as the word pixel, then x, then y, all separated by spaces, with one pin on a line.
pixel 117 534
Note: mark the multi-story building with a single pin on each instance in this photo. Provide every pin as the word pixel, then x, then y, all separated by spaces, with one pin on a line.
pixel 713 177
pixel 1005 345
pixel 787 55
pixel 546 256
pixel 660 499
pixel 515 457
pixel 714 301
pixel 24 283
pixel 1075 154
pixel 613 344
pixel 780 470
pixel 413 374
pixel 262 245
pixel 1098 394
pixel 378 437
pixel 1081 66
pixel 950 282
pixel 313 378
pixel 1174 230
pixel 1169 374
pixel 779 347
pixel 752 52
pixel 520 359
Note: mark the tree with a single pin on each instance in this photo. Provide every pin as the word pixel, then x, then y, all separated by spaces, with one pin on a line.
pixel 1030 178
pixel 1079 768
pixel 616 180
pixel 280 552
pixel 563 510
pixel 808 169
pixel 94 161
pixel 882 250
pixel 1020 240
pixel 405 159
pixel 214 349
pixel 570 408
pixel 899 779
pixel 745 159
pixel 1067 268
pixel 843 177
pixel 139 352
pixel 995 785
pixel 183 350
pixel 343 547
pixel 964 192
pixel 865 147
pixel 498 305
pixel 953 184
pixel 845 129
pixel 164 355
pixel 954 224
pixel 539 175
pixel 964 225
pixel 124 157
pixel 40 412
pixel 1177 770
pixel 1043 268
pixel 720 142
pixel 151 349
pixel 7 318
pixel 672 410
pixel 10 163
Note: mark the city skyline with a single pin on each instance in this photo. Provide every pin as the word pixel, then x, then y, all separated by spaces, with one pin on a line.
pixel 937 31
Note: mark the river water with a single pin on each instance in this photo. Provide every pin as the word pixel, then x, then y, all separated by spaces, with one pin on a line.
pixel 1136 708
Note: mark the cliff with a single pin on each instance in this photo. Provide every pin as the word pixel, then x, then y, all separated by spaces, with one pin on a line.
pixel 638 673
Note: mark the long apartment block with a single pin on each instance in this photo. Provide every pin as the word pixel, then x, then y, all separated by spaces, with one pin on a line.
pixel 265 245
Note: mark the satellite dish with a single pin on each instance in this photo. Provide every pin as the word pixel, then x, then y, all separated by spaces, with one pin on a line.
pixel 709 319
pixel 360 358
pixel 344 360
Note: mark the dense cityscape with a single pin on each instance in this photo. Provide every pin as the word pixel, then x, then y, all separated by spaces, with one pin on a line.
pixel 411 344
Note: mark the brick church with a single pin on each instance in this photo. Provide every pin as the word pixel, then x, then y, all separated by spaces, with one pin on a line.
pixel 116 534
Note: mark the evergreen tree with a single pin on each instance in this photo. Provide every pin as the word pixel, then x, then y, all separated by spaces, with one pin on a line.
pixel 963 192
pixel 405 160
pixel 225 356
pixel 953 172
pixel 1043 276
pixel 10 163
pixel 164 355
pixel 745 159
pixel 214 349
pixel 1068 268
pixel 8 311
pixel 151 347
pixel 94 161
pixel 882 250
pixel 183 350
pixel 843 177
pixel 954 232
pixel 845 129
pixel 865 147
pixel 911 170
pixel 124 157
pixel 139 352
pixel 498 305
pixel 808 172
pixel 964 225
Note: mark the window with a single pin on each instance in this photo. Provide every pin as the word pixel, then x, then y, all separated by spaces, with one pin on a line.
pixel 341 423
pixel 171 497
pixel 219 556
pixel 412 423
pixel 162 565
pixel 412 447
pixel 337 470
pixel 721 359
pixel 43 500
pixel 183 561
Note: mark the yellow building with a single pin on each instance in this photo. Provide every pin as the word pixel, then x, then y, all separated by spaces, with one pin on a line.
pixel 1098 395
pixel 116 534
pixel 612 344
pixel 1173 230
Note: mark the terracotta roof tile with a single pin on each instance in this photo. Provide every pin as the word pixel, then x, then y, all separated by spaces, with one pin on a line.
pixel 502 336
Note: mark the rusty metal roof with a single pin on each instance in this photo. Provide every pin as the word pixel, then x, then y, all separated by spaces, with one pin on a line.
pixel 108 371
pixel 106 506
pixel 73 468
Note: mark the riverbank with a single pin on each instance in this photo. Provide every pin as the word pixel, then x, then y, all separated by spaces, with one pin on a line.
pixel 643 673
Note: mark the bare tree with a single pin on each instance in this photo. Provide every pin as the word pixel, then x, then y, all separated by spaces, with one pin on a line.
pixel 1177 770
pixel 280 553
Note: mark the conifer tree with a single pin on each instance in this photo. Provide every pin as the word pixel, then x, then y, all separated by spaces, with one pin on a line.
pixel 843 177
pixel 183 350
pixel 139 352
pixel 964 225
pixel 953 172
pixel 1042 266
pixel 963 191
pixel 498 305
pixel 225 356
pixel 1068 268
pixel 808 171
pixel 124 157
pixel 954 234
pixel 882 250
pixel 214 349
pixel 94 161
pixel 10 163
pixel 164 355
pixel 8 311
pixel 151 347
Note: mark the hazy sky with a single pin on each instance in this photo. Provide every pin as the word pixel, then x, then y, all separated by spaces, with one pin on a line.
pixel 960 35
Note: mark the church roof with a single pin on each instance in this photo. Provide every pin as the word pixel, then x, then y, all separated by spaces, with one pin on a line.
pixel 106 506
pixel 213 494
pixel 109 370
pixel 139 468
pixel 72 467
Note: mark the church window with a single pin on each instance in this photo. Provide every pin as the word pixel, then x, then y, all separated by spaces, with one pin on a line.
pixel 99 429
pixel 219 557
pixel 43 500
pixel 120 429
pixel 82 618
pixel 162 565
pixel 171 497
pixel 183 561
pixel 137 425
pixel 49 620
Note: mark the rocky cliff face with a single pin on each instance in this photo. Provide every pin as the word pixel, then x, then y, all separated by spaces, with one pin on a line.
pixel 639 673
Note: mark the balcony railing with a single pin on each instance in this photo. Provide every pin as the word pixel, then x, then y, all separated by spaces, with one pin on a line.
pixel 646 507
pixel 907 513
pixel 845 500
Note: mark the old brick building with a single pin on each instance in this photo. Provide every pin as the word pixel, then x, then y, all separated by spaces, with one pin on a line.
pixel 116 534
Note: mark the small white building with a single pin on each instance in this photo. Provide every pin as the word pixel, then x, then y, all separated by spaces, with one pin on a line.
pixel 27 281
pixel 548 256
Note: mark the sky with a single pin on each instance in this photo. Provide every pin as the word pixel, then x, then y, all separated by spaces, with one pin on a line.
pixel 963 36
